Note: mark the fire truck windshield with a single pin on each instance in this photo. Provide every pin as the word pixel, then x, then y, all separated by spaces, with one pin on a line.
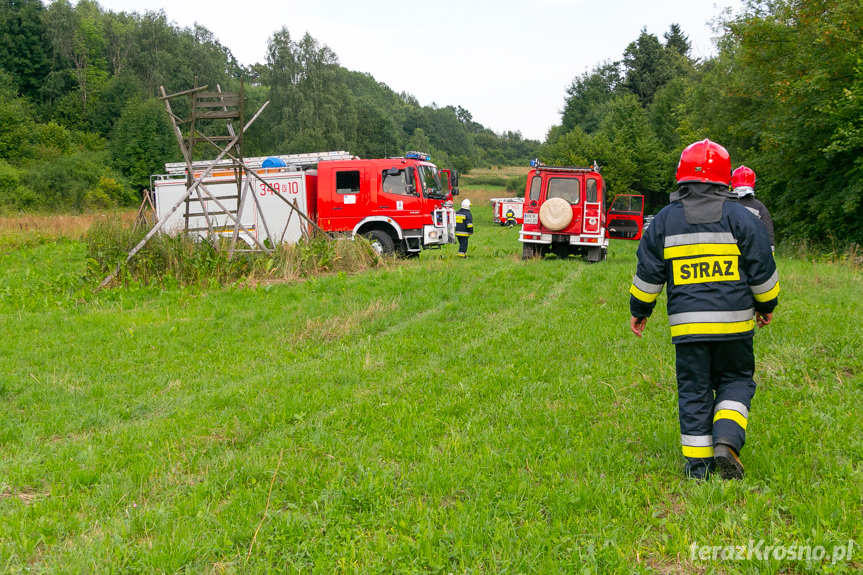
pixel 431 182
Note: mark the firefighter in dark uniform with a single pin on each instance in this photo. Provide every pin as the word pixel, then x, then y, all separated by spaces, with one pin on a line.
pixel 715 257
pixel 463 227
pixel 510 218
pixel 743 185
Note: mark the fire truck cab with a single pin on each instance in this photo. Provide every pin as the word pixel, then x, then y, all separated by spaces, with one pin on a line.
pixel 565 213
pixel 397 203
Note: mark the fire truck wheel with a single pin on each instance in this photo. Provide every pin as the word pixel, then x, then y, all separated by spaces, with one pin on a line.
pixel 381 242
pixel 555 214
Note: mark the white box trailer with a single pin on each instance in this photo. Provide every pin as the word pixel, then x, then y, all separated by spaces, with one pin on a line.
pixel 273 214
pixel 291 176
pixel 501 205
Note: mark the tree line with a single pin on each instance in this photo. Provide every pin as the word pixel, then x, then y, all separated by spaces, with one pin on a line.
pixel 81 125
pixel 784 94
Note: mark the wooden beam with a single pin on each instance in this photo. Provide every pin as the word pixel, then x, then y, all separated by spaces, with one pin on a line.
pixel 183 93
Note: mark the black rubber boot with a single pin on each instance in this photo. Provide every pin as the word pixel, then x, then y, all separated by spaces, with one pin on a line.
pixel 727 461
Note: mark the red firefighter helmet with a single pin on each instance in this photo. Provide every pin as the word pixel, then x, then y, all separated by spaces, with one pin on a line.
pixel 704 161
pixel 743 176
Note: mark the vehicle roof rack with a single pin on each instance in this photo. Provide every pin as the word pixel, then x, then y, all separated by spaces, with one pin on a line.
pixel 295 161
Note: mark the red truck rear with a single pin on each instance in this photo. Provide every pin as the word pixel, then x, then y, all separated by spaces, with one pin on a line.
pixel 565 213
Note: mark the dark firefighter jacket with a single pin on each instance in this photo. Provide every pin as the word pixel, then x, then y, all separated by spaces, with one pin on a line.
pixel 760 210
pixel 510 215
pixel 718 274
pixel 463 222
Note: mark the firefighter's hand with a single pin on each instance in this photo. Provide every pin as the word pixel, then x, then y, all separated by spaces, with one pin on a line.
pixel 763 319
pixel 637 325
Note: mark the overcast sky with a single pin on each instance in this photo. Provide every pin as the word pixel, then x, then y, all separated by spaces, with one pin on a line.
pixel 506 62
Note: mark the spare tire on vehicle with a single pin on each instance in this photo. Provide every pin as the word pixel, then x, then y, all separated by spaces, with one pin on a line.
pixel 555 214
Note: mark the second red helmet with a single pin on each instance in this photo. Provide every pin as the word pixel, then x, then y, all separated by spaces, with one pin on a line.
pixel 743 176
pixel 704 161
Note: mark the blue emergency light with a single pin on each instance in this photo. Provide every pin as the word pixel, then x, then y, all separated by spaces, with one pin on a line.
pixel 413 155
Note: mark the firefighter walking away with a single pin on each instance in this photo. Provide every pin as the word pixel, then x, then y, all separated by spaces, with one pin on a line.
pixel 743 185
pixel 510 218
pixel 714 255
pixel 463 227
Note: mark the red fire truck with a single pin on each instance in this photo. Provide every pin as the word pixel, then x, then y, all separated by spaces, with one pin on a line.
pixel 565 214
pixel 399 204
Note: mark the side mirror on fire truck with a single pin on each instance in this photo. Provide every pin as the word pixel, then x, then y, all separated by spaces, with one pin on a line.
pixel 451 181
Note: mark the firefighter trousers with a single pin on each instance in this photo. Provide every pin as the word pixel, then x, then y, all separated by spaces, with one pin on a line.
pixel 714 392
pixel 462 245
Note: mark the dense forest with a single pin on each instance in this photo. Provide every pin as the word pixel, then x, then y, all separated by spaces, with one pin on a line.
pixel 784 95
pixel 81 127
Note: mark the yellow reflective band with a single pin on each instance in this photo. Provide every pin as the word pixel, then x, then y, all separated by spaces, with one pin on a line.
pixel 701 250
pixel 462 234
pixel 732 415
pixel 642 295
pixel 703 270
pixel 699 452
pixel 768 295
pixel 459 219
pixel 712 328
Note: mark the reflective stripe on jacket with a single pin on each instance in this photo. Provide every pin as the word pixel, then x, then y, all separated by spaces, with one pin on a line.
pixel 463 223
pixel 718 274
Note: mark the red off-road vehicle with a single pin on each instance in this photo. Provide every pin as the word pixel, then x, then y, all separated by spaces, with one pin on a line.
pixel 565 213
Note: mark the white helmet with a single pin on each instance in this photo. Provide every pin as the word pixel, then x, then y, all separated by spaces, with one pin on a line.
pixel 465 204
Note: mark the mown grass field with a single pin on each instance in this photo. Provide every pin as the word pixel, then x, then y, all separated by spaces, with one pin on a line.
pixel 437 415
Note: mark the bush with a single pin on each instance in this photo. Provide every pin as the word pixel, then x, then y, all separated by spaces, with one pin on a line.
pixel 78 181
pixel 461 163
pixel 516 184
pixel 54 136
pixel 13 194
pixel 143 141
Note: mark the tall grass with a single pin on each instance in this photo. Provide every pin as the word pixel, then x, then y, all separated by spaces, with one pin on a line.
pixel 184 260
pixel 484 180
pixel 36 229
pixel 824 252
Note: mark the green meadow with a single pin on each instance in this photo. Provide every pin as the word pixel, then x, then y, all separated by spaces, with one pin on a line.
pixel 432 415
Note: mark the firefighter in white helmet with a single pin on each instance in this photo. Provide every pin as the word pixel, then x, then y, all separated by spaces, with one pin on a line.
pixel 510 217
pixel 463 227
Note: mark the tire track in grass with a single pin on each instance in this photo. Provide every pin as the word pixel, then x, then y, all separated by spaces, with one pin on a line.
pixel 257 438
pixel 330 369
